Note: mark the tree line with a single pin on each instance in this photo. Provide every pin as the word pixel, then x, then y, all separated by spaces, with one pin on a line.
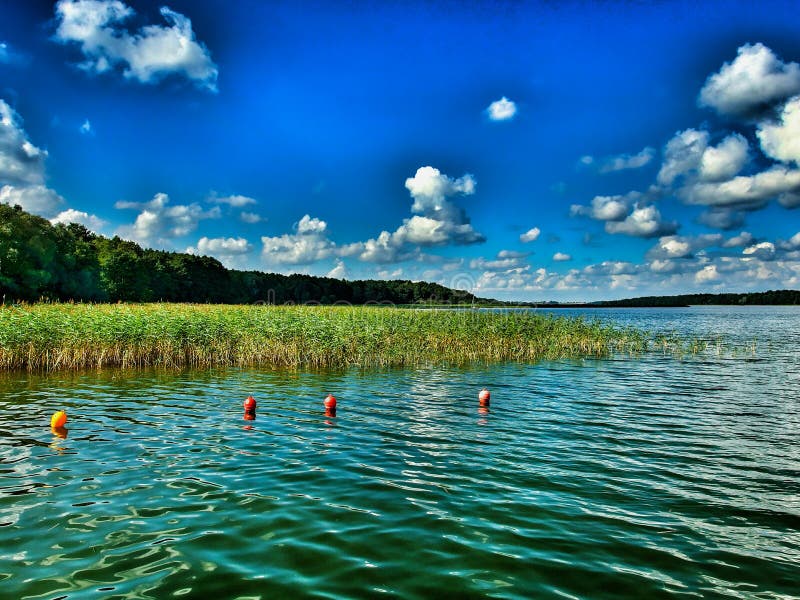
pixel 791 297
pixel 41 261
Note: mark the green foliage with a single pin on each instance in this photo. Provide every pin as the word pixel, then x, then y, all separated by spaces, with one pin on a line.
pixel 77 336
pixel 68 262
pixel 772 297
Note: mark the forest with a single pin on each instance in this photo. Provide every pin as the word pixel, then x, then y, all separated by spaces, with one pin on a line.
pixel 41 261
pixel 751 298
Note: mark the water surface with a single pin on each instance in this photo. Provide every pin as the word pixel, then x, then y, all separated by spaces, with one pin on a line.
pixel 635 477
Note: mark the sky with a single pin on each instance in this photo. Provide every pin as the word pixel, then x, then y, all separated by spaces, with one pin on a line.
pixel 568 151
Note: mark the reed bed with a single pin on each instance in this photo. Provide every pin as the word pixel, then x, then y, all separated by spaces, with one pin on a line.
pixel 48 337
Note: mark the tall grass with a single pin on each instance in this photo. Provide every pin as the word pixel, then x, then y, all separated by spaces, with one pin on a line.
pixel 77 336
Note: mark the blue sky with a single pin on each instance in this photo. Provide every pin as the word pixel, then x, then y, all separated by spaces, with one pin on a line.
pixel 520 150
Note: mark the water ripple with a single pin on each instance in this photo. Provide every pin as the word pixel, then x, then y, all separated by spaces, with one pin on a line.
pixel 623 477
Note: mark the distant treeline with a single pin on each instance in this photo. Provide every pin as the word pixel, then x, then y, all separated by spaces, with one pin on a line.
pixel 770 297
pixel 68 262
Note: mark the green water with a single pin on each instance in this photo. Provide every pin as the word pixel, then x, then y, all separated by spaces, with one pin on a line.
pixel 627 477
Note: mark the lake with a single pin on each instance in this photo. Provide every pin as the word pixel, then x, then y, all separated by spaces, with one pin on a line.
pixel 649 476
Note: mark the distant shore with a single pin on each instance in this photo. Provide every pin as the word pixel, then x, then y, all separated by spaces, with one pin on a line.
pixel 49 337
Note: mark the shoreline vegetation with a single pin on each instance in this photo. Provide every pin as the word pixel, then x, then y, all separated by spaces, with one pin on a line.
pixel 51 337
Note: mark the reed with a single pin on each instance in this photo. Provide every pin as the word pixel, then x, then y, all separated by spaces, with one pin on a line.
pixel 48 337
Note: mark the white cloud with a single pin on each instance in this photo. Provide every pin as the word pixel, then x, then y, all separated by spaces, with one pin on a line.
pixel 605 208
pixel 36 199
pixel 236 201
pixel 502 110
pixel 643 221
pixel 781 140
pixel 530 236
pixel 678 246
pixel 561 257
pixel 147 55
pixel 749 192
pixel 724 160
pixel 504 261
pixel 753 82
pixel 252 218
pixel 707 274
pixel 689 155
pixel 307 245
pixel 430 189
pixel 77 216
pixel 158 223
pixel 5 53
pixel 221 247
pixel 21 163
pixel 624 162
pixel 86 128
pixel 682 154
pixel 743 239
pixel 311 225
pixel 437 220
pixel 762 250
pixel 339 271
pixel 721 218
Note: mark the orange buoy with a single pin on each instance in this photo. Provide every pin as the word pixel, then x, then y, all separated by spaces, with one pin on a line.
pixel 330 402
pixel 59 419
pixel 249 415
pixel 484 397
pixel 250 404
pixel 330 412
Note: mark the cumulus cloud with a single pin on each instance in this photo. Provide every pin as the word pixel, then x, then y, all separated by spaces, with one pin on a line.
pixel 236 201
pixel 159 223
pixel 624 162
pixel 78 216
pixel 682 154
pixel 630 214
pixel 688 154
pixel 86 128
pixel 308 244
pixel 437 220
pixel 502 110
pixel 21 163
pixel 37 199
pixel 225 247
pixel 724 160
pixel 743 239
pixel 643 221
pixel 147 55
pixel 753 82
pixel 339 271
pixel 721 218
pixel 530 236
pixel 505 260
pixel 747 192
pixel 762 251
pixel 250 217
pixel 561 257
pixel 606 208
pixel 781 140
pixel 707 274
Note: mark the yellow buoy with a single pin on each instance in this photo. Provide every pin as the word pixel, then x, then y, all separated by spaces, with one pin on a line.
pixel 58 419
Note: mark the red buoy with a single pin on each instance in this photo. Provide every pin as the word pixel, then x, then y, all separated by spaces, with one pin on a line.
pixel 250 404
pixel 484 397
pixel 330 402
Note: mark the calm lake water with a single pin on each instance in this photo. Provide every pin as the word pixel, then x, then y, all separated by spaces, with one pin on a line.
pixel 626 477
